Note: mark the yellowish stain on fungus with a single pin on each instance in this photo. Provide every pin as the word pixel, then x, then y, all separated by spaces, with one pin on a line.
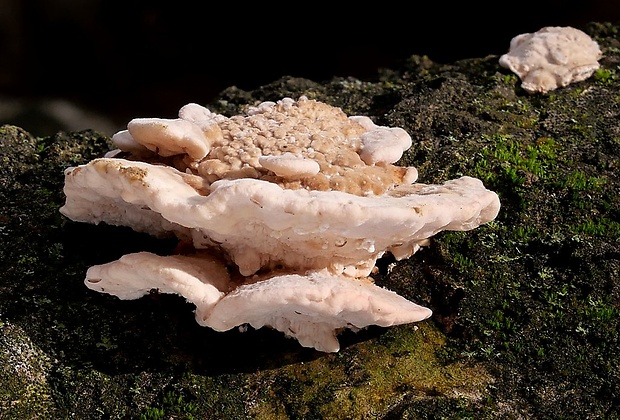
pixel 133 173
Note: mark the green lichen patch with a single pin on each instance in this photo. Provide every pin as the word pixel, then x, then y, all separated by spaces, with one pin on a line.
pixel 371 379
pixel 24 370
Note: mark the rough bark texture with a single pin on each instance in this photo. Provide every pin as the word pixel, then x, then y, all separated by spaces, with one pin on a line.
pixel 526 309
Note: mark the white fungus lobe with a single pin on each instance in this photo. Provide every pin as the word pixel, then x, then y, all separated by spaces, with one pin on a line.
pixel 551 58
pixel 168 137
pixel 289 165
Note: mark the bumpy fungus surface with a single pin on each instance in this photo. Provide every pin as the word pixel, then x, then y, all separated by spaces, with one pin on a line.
pixel 287 207
pixel 552 57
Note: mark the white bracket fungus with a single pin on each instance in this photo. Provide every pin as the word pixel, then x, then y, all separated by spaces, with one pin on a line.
pixel 201 278
pixel 297 198
pixel 169 137
pixel 552 57
pixel 311 307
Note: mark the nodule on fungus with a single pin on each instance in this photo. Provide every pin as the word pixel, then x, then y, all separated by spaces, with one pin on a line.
pixel 287 208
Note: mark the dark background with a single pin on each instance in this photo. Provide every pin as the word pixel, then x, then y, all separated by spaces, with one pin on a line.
pixel 103 62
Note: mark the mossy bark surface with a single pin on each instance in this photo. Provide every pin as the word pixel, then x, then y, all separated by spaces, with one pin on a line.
pixel 526 308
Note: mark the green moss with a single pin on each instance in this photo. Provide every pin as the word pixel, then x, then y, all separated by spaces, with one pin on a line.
pixel 601 226
pixel 579 180
pixel 508 160
pixel 510 79
pixel 173 405
pixel 604 75
pixel 601 309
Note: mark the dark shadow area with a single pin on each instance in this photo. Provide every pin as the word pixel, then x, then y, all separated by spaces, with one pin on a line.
pixel 147 59
pixel 157 331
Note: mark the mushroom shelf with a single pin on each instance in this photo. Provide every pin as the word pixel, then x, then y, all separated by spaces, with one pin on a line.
pixel 287 209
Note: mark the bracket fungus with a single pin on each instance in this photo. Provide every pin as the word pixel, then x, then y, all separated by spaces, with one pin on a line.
pixel 287 209
pixel 553 57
